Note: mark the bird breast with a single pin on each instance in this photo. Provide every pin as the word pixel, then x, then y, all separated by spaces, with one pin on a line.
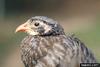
pixel 45 51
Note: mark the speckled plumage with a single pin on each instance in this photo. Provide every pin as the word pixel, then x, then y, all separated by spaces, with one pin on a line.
pixel 57 50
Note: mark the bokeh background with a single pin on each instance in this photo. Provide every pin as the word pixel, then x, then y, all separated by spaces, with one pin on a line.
pixel 81 17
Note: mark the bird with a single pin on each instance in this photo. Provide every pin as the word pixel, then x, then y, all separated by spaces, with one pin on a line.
pixel 47 45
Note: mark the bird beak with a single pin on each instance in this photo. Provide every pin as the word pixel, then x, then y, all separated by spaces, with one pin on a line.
pixel 22 28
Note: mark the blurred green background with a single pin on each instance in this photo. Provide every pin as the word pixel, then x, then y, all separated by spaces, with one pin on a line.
pixel 81 17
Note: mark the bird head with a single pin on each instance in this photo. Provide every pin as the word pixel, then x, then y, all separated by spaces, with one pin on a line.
pixel 40 25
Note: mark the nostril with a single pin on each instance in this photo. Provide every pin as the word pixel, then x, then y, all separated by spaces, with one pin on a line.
pixel 25 25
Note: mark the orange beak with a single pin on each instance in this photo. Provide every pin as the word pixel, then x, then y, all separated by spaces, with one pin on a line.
pixel 22 28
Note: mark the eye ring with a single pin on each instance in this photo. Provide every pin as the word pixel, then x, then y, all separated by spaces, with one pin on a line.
pixel 36 24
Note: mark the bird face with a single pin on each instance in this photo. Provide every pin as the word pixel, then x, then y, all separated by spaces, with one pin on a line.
pixel 40 25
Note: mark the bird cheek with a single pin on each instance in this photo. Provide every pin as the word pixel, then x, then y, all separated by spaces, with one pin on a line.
pixel 32 32
pixel 40 30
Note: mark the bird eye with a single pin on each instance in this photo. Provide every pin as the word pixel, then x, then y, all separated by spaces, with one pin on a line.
pixel 36 24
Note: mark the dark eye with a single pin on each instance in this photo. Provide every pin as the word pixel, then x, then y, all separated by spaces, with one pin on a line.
pixel 36 24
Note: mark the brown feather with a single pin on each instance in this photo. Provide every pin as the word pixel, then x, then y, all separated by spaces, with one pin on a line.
pixel 54 51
